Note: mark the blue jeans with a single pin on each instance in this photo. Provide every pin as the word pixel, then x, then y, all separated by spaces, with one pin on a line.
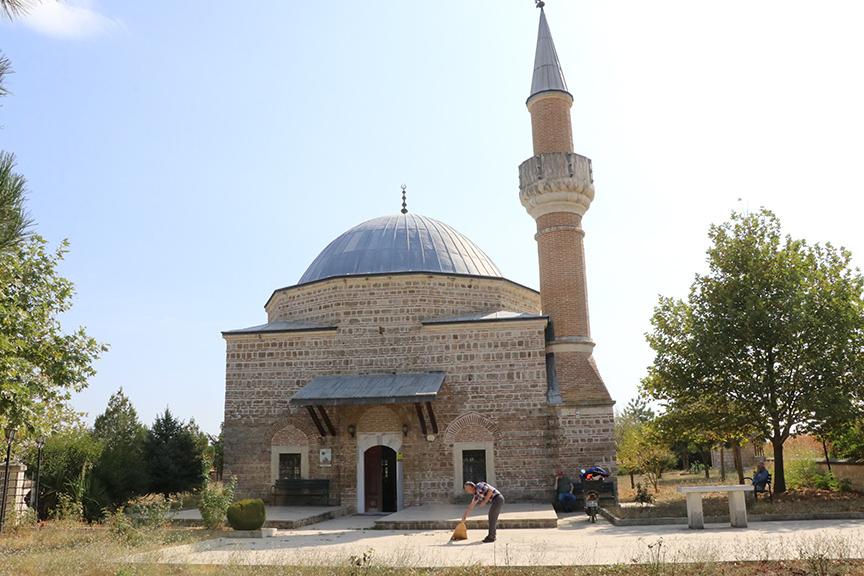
pixel 566 498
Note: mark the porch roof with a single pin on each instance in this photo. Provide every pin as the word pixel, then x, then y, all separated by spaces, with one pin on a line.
pixel 370 389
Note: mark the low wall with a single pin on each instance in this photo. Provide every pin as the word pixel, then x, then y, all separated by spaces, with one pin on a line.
pixel 854 473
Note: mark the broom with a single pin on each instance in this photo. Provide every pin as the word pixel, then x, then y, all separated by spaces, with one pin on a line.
pixel 460 533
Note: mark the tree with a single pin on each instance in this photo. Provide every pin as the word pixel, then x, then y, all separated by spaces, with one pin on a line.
pixel 770 338
pixel 638 410
pixel 849 443
pixel 14 8
pixel 173 456
pixel 217 446
pixel 641 449
pixel 66 460
pixel 14 221
pixel 40 365
pixel 121 468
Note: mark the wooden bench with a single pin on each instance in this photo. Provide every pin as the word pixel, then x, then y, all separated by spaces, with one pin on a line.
pixel 737 506
pixel 301 493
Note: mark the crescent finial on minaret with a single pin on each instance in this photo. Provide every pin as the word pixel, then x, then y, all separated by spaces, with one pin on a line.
pixel 404 204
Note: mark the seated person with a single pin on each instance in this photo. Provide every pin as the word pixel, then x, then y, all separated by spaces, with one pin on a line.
pixel 564 490
pixel 761 477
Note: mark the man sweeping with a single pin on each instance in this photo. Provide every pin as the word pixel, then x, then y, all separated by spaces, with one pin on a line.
pixel 484 493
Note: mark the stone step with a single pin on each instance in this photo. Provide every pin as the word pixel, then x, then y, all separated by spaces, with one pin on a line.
pixel 446 517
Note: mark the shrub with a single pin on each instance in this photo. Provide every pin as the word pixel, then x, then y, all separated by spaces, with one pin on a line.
pixel 246 514
pixel 802 474
pixel 214 500
pixel 122 527
pixel 150 511
pixel 642 495
pixel 68 508
pixel 808 474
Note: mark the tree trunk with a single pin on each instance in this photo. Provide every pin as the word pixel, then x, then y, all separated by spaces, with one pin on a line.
pixel 632 481
pixel 739 465
pixel 779 475
pixel 706 455
pixel 827 459
pixel 722 466
pixel 685 460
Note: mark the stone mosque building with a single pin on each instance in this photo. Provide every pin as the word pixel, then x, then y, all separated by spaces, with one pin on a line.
pixel 403 362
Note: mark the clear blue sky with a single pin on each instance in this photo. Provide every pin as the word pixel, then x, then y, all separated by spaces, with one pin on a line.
pixel 199 154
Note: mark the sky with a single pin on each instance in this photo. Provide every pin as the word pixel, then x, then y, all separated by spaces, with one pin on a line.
pixel 200 154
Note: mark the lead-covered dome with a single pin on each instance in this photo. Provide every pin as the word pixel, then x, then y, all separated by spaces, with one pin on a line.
pixel 400 243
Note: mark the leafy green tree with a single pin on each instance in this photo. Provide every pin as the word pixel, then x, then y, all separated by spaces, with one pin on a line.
pixel 173 456
pixel 40 364
pixel 770 338
pixel 121 468
pixel 65 471
pixel 641 449
pixel 849 442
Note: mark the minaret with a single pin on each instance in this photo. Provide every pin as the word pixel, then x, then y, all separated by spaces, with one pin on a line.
pixel 556 186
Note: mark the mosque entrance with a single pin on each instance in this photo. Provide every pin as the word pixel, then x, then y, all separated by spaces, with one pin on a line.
pixel 379 465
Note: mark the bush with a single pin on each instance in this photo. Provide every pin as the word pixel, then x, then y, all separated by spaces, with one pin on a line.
pixel 642 495
pixel 214 501
pixel 150 511
pixel 246 514
pixel 808 474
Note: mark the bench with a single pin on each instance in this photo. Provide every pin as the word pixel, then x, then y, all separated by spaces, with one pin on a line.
pixel 301 493
pixel 737 506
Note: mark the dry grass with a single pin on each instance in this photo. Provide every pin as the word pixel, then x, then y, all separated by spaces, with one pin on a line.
pixel 77 550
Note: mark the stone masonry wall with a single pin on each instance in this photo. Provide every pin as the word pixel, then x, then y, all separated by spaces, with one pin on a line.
pixel 495 387
pixel 398 299
pixel 496 370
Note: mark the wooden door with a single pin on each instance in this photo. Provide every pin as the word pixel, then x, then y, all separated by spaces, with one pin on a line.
pixel 372 478
pixel 388 479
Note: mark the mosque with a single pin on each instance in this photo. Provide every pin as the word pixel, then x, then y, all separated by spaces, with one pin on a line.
pixel 403 362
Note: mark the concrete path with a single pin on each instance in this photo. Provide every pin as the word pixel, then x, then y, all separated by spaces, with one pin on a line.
pixel 575 541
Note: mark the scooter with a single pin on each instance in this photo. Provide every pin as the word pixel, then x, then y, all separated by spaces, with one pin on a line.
pixel 592 505
pixel 592 497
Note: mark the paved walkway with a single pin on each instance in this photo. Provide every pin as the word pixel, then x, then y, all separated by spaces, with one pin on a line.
pixel 575 541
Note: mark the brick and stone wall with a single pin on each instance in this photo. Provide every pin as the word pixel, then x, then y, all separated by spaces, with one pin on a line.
pixel 398 299
pixel 495 380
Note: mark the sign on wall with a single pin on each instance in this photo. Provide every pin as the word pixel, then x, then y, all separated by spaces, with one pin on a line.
pixel 325 457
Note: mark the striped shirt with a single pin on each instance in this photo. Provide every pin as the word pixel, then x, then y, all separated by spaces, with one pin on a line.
pixel 482 489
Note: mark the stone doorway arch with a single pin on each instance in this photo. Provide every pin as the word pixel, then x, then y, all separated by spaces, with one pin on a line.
pixel 391 441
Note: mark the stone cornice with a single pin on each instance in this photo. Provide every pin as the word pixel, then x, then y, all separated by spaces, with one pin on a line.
pixel 558 182
pixel 494 324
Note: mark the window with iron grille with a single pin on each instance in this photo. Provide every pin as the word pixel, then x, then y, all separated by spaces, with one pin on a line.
pixel 289 466
pixel 474 465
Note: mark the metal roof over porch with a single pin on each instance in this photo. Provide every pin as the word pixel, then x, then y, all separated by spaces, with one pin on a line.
pixel 370 389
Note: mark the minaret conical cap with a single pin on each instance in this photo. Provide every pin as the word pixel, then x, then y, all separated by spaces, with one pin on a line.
pixel 547 69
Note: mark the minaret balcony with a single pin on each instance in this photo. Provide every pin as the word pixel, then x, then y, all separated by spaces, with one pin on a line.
pixel 557 182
